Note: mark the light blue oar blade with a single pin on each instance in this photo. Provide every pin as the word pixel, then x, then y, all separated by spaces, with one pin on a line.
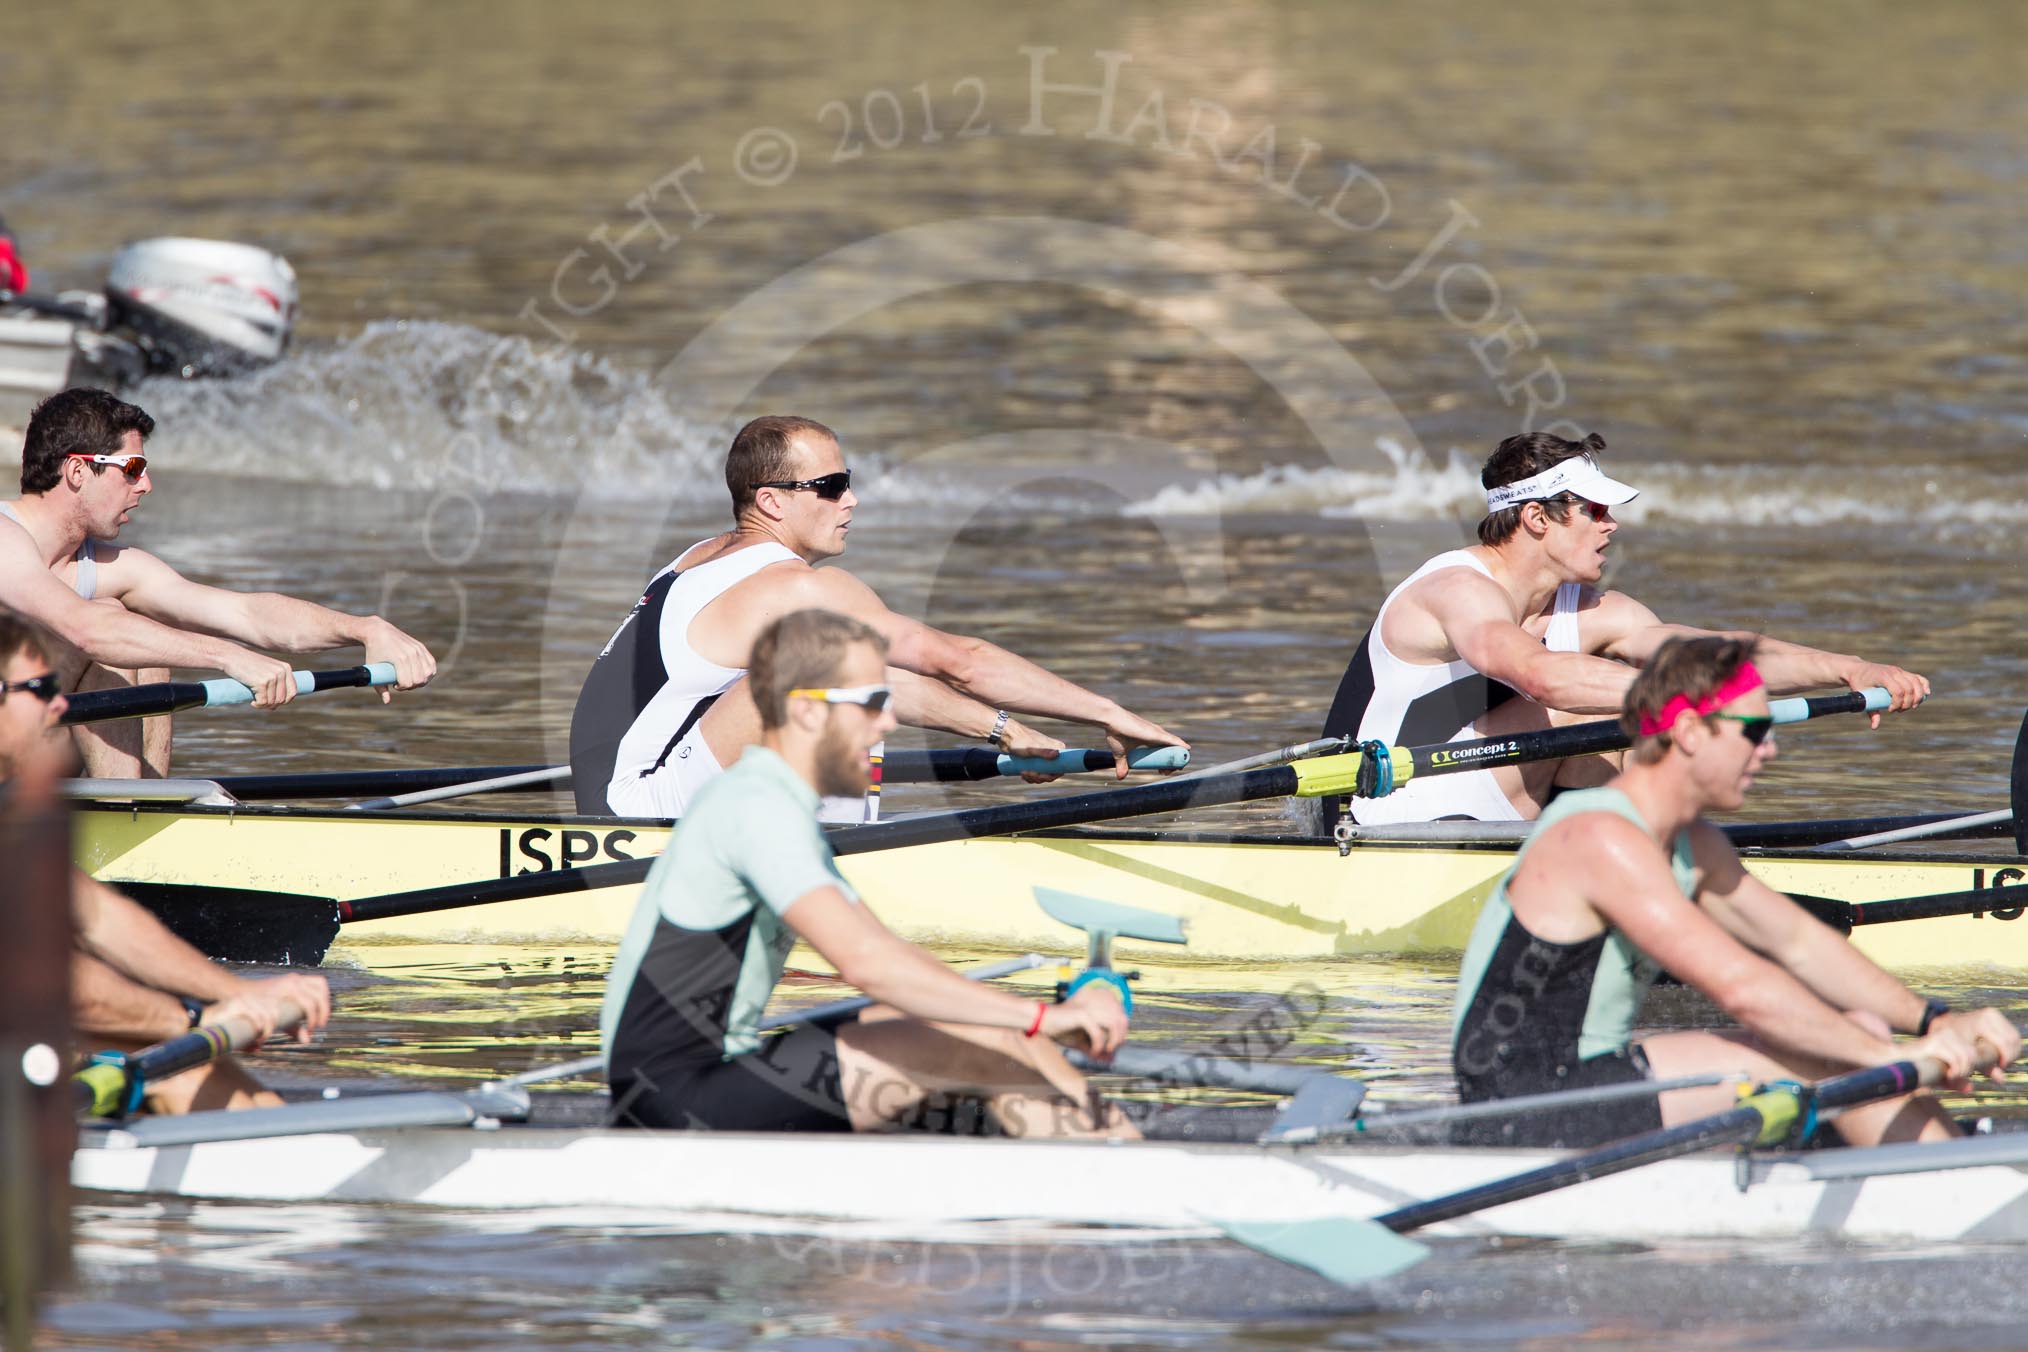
pixel 1112 917
pixel 1349 1252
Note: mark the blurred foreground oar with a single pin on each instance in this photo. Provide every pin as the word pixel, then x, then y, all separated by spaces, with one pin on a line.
pixel 168 697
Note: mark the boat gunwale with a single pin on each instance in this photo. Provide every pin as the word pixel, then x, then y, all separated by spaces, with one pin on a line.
pixel 1114 835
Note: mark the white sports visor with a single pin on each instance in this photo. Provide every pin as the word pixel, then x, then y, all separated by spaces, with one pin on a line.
pixel 1580 475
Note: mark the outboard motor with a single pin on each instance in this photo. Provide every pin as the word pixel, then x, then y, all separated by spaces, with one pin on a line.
pixel 202 307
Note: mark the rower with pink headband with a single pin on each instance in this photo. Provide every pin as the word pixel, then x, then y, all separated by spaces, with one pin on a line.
pixel 1741 682
pixel 1628 879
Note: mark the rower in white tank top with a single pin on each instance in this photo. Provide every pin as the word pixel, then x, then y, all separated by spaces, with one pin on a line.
pixel 1414 704
pixel 663 759
pixel 87 580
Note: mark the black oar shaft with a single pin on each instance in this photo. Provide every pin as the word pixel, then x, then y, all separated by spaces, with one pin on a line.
pixel 361 783
pixel 1973 901
pixel 944 765
pixel 1331 774
pixel 1581 739
pixel 450 897
pixel 1074 810
pixel 99 706
pixel 1734 1125
pixel 904 766
pixel 168 697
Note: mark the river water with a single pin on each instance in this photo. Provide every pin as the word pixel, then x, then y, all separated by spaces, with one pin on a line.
pixel 1165 338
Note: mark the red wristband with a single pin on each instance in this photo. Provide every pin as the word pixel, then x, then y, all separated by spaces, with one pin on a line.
pixel 1036 1027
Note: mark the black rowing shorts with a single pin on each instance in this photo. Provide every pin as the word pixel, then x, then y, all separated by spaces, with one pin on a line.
pixel 790 1084
pixel 1578 1127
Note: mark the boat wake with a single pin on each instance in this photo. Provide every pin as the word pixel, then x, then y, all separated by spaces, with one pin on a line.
pixel 1410 485
pixel 425 405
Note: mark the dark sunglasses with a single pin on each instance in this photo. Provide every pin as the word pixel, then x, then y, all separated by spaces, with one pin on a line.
pixel 133 466
pixel 44 687
pixel 1598 511
pixel 1755 727
pixel 829 487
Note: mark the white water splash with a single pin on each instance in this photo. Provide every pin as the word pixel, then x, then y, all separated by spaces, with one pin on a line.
pixel 1407 485
pixel 412 404
pixel 1407 488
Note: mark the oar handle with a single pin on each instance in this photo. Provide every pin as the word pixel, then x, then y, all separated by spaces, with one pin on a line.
pixel 1333 775
pixel 168 697
pixel 1800 709
pixel 113 1085
pixel 961 764
pixel 1077 760
pixel 224 690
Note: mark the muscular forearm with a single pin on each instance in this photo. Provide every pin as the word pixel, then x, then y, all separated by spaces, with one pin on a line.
pixel 127 937
pixel 1783 1012
pixel 1846 979
pixel 922 702
pixel 106 1004
pixel 116 637
pixel 1004 680
pixel 909 980
pixel 1786 667
pixel 288 624
pixel 1576 683
pixel 1789 667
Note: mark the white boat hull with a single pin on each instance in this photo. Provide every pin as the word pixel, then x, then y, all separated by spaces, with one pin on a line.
pixel 909 1187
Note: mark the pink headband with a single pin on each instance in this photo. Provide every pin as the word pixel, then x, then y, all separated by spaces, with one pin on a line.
pixel 1741 681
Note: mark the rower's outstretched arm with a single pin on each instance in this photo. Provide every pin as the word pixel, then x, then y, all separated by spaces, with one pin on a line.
pixel 134 946
pixel 733 723
pixel 1817 955
pixel 105 1003
pixel 1635 633
pixel 115 636
pixel 1476 617
pixel 265 619
pixel 984 671
pixel 922 702
pixel 1628 883
pixel 895 972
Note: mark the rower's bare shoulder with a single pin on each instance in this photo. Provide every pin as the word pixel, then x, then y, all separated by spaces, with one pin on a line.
pixel 833 586
pixel 704 551
pixel 1615 608
pixel 14 539
pixel 1456 595
pixel 1601 840
pixel 20 556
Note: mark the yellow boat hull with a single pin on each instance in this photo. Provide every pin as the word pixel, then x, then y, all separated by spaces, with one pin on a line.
pixel 1245 900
